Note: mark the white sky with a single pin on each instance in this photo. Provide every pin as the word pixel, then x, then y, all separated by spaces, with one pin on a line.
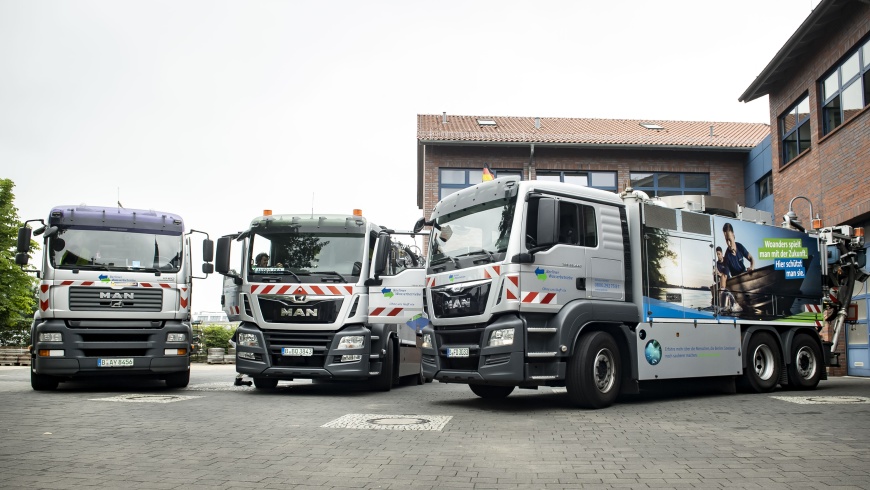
pixel 216 110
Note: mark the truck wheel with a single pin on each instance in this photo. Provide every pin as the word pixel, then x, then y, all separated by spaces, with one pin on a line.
pixel 491 392
pixel 265 383
pixel 384 381
pixel 765 364
pixel 42 382
pixel 594 371
pixel 805 369
pixel 178 380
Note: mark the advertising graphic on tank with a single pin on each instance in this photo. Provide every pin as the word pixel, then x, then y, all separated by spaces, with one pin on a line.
pixel 750 272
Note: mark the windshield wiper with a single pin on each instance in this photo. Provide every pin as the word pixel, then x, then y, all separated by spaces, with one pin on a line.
pixel 331 273
pixel 478 252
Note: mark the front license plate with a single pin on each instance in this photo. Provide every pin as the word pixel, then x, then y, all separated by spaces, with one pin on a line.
pixel 458 352
pixel 126 362
pixel 297 351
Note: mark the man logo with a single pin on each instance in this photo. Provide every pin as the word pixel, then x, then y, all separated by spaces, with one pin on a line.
pixel 117 304
pixel 298 311
pixel 111 295
pixel 298 298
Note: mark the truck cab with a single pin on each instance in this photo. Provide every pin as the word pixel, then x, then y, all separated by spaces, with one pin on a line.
pixel 114 295
pixel 331 297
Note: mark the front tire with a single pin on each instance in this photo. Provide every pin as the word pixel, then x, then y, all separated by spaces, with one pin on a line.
pixel 42 382
pixel 491 392
pixel 805 368
pixel 265 383
pixel 765 364
pixel 595 371
pixel 178 380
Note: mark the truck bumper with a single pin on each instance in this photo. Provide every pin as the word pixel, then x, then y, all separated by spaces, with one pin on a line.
pixel 499 365
pixel 267 360
pixel 143 351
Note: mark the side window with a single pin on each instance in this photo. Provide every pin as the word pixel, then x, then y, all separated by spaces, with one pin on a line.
pixel 577 225
pixel 532 224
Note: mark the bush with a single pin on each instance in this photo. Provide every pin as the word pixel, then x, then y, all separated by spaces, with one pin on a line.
pixel 216 336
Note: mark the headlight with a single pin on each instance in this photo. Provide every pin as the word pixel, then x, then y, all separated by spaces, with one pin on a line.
pixel 176 337
pixel 427 341
pixel 352 358
pixel 246 355
pixel 51 337
pixel 351 342
pixel 503 336
pixel 248 340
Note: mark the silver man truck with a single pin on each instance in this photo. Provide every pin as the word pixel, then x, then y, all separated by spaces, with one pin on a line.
pixel 114 295
pixel 536 283
pixel 328 297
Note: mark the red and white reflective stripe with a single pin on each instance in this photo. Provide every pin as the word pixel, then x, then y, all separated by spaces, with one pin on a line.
pixel 512 287
pixel 78 283
pixel 430 281
pixel 301 289
pixel 814 309
pixel 155 285
pixel 386 311
pixel 43 296
pixel 534 297
pixel 164 285
pixel 234 310
pixel 182 298
pixel 491 271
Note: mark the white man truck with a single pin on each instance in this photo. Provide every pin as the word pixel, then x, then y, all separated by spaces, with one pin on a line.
pixel 536 283
pixel 114 295
pixel 328 297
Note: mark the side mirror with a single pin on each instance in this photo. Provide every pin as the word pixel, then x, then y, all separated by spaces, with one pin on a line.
pixel 24 234
pixel 21 258
pixel 207 251
pixel 382 254
pixel 547 219
pixel 419 225
pixel 207 268
pixel 222 256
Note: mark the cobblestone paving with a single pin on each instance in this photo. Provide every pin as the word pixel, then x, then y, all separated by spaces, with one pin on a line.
pixel 238 437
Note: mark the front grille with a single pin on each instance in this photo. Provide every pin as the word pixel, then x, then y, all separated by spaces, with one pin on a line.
pixel 114 352
pixel 319 342
pixel 107 299
pixel 459 301
pixel 115 337
pixel 279 309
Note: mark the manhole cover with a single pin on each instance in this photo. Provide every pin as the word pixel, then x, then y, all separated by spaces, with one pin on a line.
pixel 144 398
pixel 389 422
pixel 825 400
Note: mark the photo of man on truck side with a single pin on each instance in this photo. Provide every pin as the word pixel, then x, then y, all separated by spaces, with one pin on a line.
pixel 735 253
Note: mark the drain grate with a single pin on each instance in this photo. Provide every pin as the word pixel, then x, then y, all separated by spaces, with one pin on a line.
pixel 145 398
pixel 389 422
pixel 825 400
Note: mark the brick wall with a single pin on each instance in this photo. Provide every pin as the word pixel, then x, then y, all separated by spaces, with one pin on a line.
pixel 725 168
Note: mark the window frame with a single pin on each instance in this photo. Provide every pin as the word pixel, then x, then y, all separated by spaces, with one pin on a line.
pixel 761 184
pixel 587 174
pixel 683 189
pixel 861 50
pixel 795 130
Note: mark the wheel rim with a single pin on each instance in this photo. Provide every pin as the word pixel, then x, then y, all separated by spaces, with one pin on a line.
pixel 763 361
pixel 603 370
pixel 805 362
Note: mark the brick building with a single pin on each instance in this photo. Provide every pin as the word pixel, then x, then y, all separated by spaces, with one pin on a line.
pixel 661 158
pixel 819 93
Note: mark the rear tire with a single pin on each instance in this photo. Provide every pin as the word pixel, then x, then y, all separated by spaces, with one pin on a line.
pixel 765 364
pixel 178 380
pixel 265 383
pixel 384 380
pixel 594 372
pixel 806 364
pixel 42 382
pixel 491 392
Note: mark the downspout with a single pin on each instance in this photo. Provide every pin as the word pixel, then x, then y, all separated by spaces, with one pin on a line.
pixel 528 168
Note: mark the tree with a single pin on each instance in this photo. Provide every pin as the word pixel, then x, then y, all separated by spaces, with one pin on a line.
pixel 17 294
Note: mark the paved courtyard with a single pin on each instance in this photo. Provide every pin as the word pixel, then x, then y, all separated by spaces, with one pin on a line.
pixel 214 435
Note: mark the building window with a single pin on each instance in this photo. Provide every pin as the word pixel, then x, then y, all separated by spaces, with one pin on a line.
pixel 508 172
pixel 454 179
pixel 660 184
pixel 599 180
pixel 846 90
pixel 765 186
pixel 795 128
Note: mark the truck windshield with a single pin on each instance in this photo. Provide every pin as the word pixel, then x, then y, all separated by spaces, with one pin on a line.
pixel 335 255
pixel 481 230
pixel 73 248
